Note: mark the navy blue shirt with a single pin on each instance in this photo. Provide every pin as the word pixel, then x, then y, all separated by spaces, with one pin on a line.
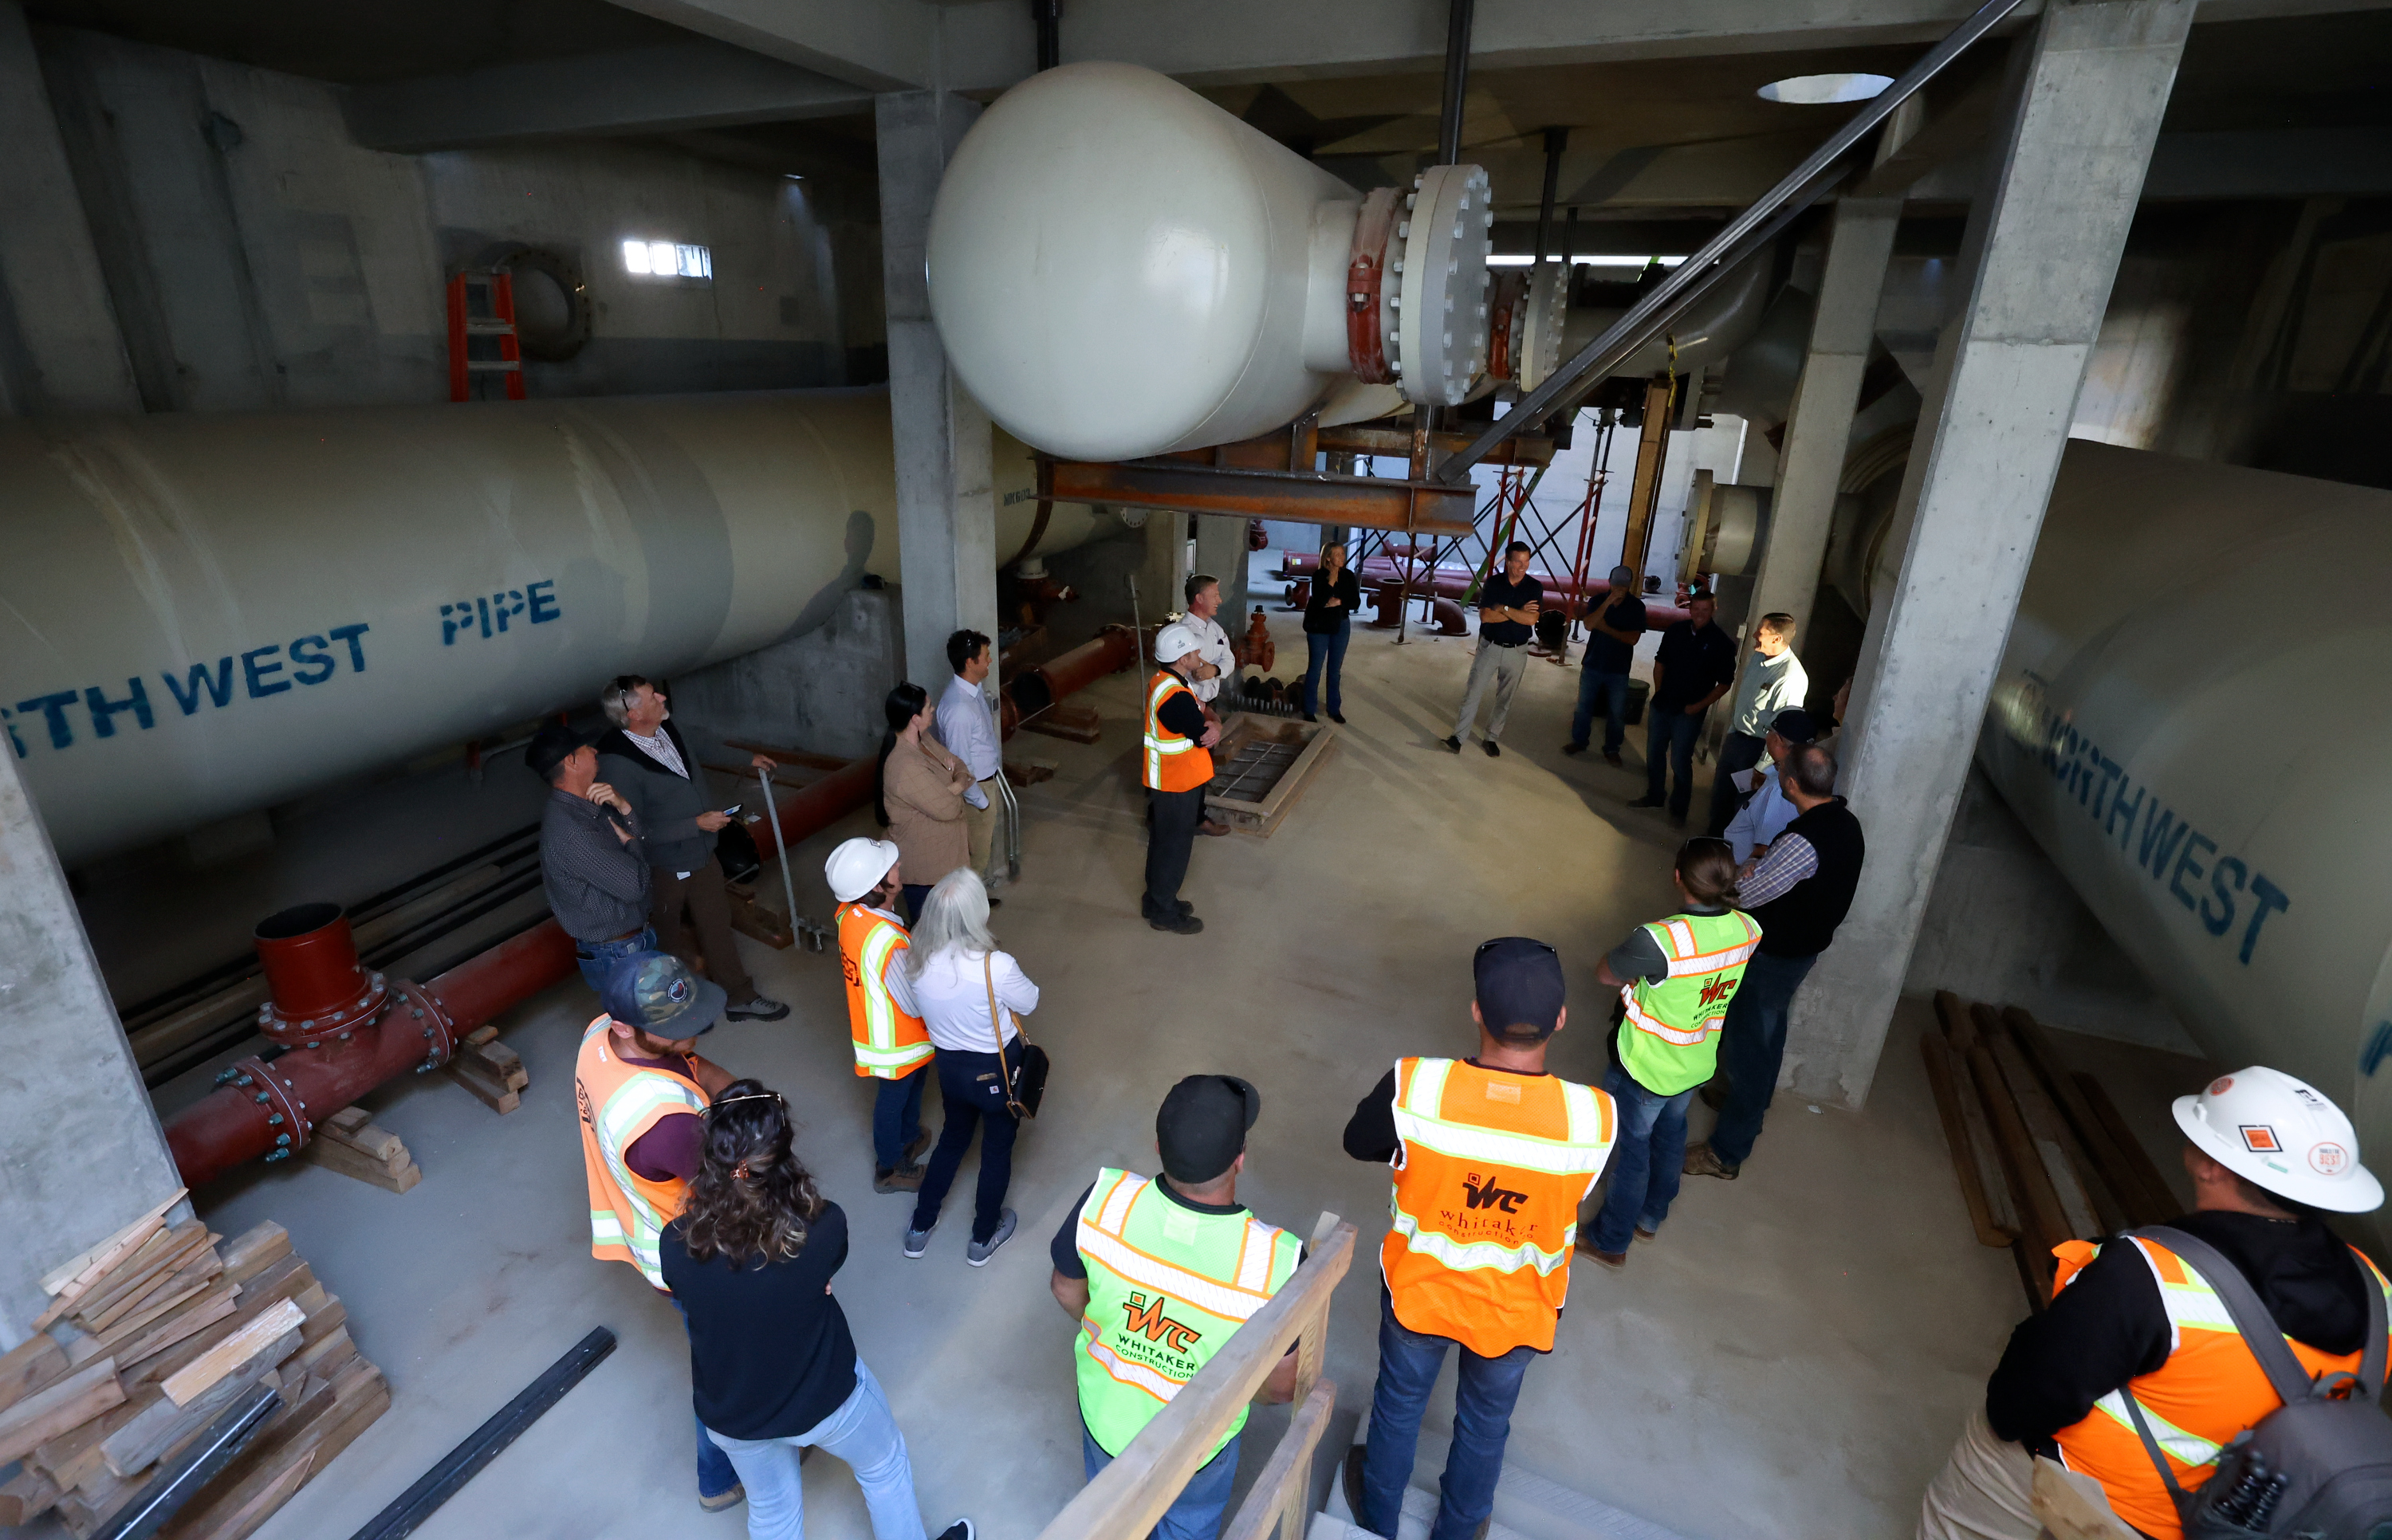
pixel 1693 664
pixel 1606 655
pixel 1500 593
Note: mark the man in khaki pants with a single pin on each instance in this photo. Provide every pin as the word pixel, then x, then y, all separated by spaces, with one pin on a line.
pixel 968 727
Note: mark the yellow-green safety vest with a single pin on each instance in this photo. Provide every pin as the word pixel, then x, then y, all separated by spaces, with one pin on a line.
pixel 1670 1039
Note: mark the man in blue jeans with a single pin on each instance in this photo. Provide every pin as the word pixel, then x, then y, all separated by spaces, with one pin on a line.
pixel 592 860
pixel 1799 893
pixel 1693 667
pixel 1612 634
pixel 1491 1157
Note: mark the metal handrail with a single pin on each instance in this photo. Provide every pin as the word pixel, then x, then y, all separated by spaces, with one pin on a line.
pixel 1739 237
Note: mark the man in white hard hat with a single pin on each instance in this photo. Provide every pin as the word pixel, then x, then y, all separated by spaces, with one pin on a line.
pixel 891 1045
pixel 2131 1320
pixel 1175 766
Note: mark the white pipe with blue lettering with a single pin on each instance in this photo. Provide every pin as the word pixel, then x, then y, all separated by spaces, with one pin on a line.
pixel 204 614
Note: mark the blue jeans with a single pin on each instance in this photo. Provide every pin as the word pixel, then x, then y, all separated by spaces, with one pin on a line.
pixel 596 957
pixel 1613 688
pixel 715 1474
pixel 1752 1044
pixel 1197 1513
pixel 1483 1397
pixel 864 1433
pixel 1670 743
pixel 972 1097
pixel 1648 1163
pixel 1325 647
pixel 897 1117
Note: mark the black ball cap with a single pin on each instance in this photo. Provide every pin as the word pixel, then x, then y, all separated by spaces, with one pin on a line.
pixel 551 746
pixel 1794 725
pixel 1519 987
pixel 1201 1128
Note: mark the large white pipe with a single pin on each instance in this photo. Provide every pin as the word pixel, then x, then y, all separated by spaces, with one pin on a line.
pixel 2185 721
pixel 1119 268
pixel 204 614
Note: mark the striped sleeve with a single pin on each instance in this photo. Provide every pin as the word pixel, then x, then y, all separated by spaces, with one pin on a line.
pixel 1789 861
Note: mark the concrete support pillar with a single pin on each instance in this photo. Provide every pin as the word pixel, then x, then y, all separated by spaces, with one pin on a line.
pixel 1166 567
pixel 1221 550
pixel 946 510
pixel 2044 240
pixel 81 1152
pixel 60 346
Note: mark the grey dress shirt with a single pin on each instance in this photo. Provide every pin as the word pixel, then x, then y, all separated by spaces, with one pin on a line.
pixel 597 885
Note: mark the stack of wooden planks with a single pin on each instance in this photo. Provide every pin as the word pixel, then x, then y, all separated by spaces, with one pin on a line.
pixel 154 1343
pixel 490 1069
pixel 2041 1152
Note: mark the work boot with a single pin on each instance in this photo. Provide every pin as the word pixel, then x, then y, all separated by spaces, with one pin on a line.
pixel 721 1500
pixel 1573 748
pixel 1337 717
pixel 1454 743
pixel 1494 751
pixel 1181 924
pixel 1611 757
pixel 906 1178
pixel 1700 1161
pixel 756 1009
pixel 1647 802
pixel 913 1153
pixel 1714 1095
pixel 1211 826
pixel 1613 1259
pixel 979 1251
pixel 1643 1233
pixel 1353 1474
pixel 1311 718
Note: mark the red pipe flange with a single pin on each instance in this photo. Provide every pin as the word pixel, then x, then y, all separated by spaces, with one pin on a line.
pixel 320 993
pixel 278 1095
pixel 412 1006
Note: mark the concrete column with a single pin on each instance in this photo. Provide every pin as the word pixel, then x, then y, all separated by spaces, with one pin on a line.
pixel 60 346
pixel 1221 550
pixel 81 1152
pixel 946 510
pixel 2044 240
pixel 1165 568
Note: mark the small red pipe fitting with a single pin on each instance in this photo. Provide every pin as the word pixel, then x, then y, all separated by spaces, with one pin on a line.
pixel 318 991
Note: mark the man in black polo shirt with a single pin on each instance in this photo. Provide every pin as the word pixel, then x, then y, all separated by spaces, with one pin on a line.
pixel 1693 667
pixel 1612 633
pixel 1508 604
pixel 1799 893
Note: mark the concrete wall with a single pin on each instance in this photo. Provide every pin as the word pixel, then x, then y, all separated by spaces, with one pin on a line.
pixel 820 691
pixel 256 257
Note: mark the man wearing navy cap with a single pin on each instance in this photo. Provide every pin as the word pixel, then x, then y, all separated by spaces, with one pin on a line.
pixel 1126 1264
pixel 643 1094
pixel 593 862
pixel 1492 1156
pixel 1766 809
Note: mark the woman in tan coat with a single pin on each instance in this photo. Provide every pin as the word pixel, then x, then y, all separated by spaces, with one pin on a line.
pixel 921 796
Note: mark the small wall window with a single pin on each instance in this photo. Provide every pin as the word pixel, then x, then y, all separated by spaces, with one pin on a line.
pixel 667 259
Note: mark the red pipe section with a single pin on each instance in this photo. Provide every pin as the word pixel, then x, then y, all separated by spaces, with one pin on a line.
pixel 269 1108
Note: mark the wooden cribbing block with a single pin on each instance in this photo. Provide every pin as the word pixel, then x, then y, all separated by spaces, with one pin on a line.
pixel 149 1269
pixel 253 1251
pixel 286 1279
pixel 115 1249
pixel 159 1426
pixel 490 1069
pixel 184 1385
pixel 31 1363
pixel 134 1344
pixel 753 919
pixel 2042 1223
pixel 2109 1161
pixel 154 1303
pixel 1029 772
pixel 1068 720
pixel 2091 1208
pixel 1940 1080
pixel 348 1142
pixel 73 1457
pixel 296 1447
pixel 71 1403
pixel 27 1498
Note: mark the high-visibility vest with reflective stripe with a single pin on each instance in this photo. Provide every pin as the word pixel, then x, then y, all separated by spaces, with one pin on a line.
pixel 1173 762
pixel 1670 1038
pixel 1166 1288
pixel 2210 1389
pixel 618 1101
pixel 1491 1169
pixel 890 1044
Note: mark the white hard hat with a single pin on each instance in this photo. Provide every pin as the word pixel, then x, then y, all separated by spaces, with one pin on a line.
pixel 1173 642
pixel 857 866
pixel 2280 1134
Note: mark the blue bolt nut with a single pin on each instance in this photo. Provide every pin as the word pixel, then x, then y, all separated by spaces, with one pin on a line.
pixel 273 1117
pixel 282 1138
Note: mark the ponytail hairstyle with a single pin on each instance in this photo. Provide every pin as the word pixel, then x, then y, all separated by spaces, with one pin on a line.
pixel 1707 868
pixel 900 706
pixel 751 1199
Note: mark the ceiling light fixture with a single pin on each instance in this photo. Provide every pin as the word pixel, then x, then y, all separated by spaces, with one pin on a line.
pixel 1823 90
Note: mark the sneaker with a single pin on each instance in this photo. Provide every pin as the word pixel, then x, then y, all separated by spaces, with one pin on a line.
pixel 1700 1161
pixel 979 1251
pixel 1338 718
pixel 1454 743
pixel 918 1241
pixel 1573 748
pixel 721 1500
pixel 906 1178
pixel 758 1009
pixel 1182 924
pixel 960 1530
pixel 1648 802
pixel 1493 750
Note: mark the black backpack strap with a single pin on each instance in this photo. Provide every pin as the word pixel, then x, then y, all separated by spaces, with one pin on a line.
pixel 2260 1333
pixel 2135 1410
pixel 2371 1361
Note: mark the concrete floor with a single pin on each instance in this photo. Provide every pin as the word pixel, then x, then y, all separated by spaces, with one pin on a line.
pixel 1791 1358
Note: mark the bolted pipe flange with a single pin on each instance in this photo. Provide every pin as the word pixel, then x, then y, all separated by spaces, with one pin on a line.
pixel 1442 340
pixel 279 1098
pixel 439 1033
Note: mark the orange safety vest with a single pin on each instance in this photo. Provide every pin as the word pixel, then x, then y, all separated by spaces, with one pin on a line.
pixel 2210 1389
pixel 1491 1169
pixel 619 1101
pixel 1171 761
pixel 890 1044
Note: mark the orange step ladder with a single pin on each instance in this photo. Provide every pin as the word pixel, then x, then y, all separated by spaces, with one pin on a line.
pixel 482 312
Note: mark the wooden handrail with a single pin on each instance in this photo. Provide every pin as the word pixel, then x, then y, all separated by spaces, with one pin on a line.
pixel 1276 1509
pixel 1134 1491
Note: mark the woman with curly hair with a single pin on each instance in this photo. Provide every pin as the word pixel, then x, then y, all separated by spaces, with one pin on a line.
pixel 772 1367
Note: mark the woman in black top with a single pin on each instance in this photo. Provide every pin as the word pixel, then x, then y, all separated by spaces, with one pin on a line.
pixel 1328 623
pixel 771 1367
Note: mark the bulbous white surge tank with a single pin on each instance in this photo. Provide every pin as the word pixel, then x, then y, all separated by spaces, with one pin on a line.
pixel 204 614
pixel 2191 721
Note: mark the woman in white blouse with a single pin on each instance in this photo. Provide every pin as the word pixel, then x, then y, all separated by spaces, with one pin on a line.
pixel 951 969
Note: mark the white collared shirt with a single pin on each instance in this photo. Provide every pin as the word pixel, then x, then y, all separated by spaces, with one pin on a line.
pixel 968 727
pixel 951 996
pixel 661 748
pixel 1213 646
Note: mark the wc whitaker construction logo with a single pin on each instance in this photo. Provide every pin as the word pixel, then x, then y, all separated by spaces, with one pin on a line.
pixel 1717 987
pixel 1155 1339
pixel 1485 1192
